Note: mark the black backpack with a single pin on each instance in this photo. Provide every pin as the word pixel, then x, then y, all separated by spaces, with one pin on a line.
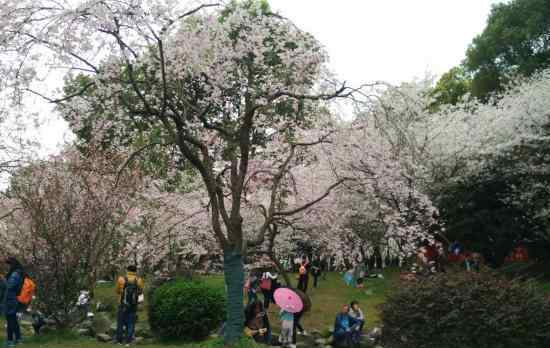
pixel 130 294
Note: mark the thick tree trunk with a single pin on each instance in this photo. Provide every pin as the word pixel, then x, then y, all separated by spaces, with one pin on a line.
pixel 234 280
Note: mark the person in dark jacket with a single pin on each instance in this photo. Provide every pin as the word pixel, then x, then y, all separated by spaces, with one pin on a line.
pixel 344 327
pixel 14 281
pixel 316 272
pixel 257 323
pixel 3 288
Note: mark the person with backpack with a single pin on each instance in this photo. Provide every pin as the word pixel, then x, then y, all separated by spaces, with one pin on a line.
pixel 14 282
pixel 268 286
pixel 129 289
pixel 303 276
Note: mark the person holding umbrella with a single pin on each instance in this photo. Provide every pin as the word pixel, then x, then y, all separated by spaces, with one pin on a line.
pixel 291 302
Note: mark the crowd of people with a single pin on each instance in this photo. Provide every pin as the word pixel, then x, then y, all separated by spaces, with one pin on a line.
pixel 348 324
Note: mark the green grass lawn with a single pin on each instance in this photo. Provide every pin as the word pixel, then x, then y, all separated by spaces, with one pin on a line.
pixel 327 301
pixel 332 293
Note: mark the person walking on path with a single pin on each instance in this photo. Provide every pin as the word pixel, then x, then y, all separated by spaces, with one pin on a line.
pixel 14 282
pixel 128 288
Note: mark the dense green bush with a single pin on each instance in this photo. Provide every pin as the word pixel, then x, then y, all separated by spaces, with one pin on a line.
pixel 186 309
pixel 467 310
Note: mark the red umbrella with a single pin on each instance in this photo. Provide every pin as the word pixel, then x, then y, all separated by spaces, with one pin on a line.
pixel 288 300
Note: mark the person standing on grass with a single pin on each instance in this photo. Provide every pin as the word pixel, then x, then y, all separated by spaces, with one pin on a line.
pixel 268 285
pixel 3 288
pixel 297 327
pixel 303 277
pixel 252 286
pixel 316 272
pixel 287 329
pixel 128 288
pixel 14 282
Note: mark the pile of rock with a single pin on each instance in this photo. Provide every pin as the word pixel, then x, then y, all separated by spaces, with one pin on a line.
pixel 103 328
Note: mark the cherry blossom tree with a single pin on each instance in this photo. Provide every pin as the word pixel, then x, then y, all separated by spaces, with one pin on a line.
pixel 484 165
pixel 211 83
pixel 65 223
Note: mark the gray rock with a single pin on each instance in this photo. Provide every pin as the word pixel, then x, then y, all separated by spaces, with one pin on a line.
pixel 84 332
pixel 25 323
pixel 50 322
pixel 86 324
pixel 375 333
pixel 112 329
pixel 101 307
pixel 139 340
pixel 320 342
pixel 103 338
pixel 102 323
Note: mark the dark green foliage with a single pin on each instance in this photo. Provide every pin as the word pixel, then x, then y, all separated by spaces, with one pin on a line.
pixel 451 87
pixel 516 40
pixel 502 205
pixel 186 310
pixel 467 310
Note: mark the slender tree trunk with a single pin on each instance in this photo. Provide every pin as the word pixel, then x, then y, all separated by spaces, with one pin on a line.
pixel 234 280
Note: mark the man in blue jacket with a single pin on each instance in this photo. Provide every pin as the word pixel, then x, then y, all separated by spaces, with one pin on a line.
pixel 344 327
pixel 14 280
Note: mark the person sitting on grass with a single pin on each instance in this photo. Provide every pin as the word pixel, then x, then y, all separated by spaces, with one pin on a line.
pixel 257 323
pixel 345 329
pixel 356 313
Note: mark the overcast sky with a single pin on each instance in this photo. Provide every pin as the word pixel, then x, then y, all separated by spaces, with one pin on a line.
pixel 375 40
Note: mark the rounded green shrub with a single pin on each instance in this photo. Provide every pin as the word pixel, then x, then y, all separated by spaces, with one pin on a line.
pixel 186 309
pixel 467 310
